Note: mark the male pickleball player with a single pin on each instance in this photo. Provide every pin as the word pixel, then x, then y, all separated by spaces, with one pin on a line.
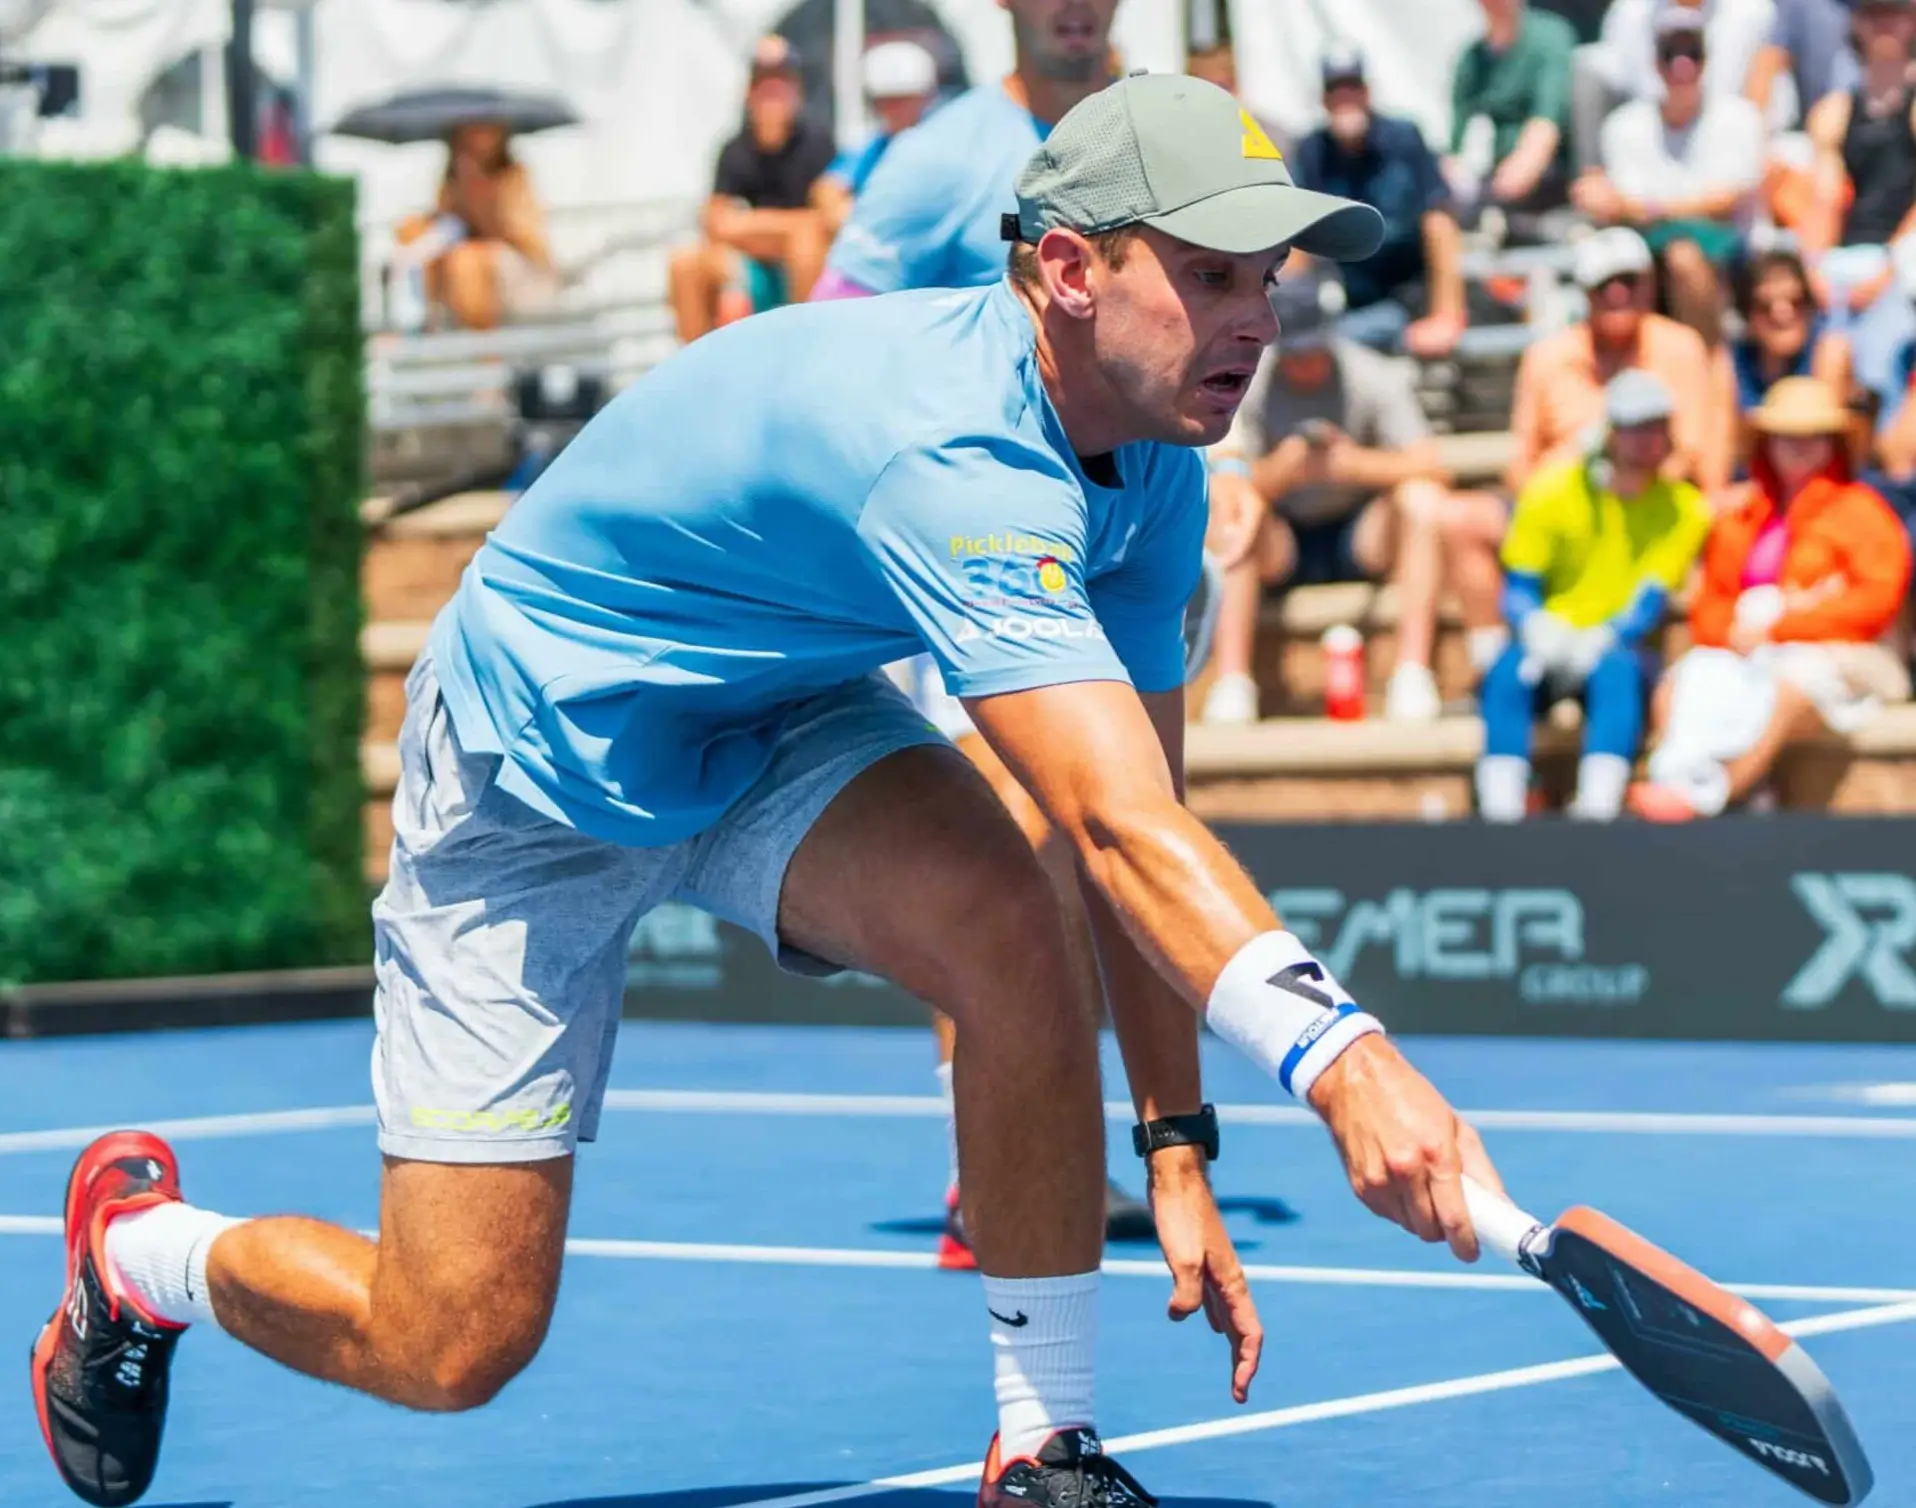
pixel 658 679
pixel 929 217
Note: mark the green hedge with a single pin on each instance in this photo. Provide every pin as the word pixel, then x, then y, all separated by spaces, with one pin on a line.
pixel 181 436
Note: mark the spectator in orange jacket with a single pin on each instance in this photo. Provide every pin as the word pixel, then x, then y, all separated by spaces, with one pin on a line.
pixel 1800 582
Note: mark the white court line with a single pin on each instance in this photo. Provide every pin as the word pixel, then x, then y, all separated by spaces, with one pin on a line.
pixel 931 1107
pixel 1334 1408
pixel 853 1257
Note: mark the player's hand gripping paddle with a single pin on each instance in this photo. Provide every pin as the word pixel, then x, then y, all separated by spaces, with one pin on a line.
pixel 1712 1357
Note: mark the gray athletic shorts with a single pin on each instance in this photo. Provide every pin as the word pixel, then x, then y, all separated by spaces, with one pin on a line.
pixel 500 939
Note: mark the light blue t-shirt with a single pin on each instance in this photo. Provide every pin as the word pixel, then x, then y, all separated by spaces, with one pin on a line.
pixel 784 506
pixel 928 217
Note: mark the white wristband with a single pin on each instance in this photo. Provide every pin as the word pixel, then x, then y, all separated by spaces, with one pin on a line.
pixel 1284 1010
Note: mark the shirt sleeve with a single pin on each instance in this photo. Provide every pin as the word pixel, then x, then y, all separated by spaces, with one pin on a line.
pixel 1307 162
pixel 1141 604
pixel 899 230
pixel 1550 82
pixel 1531 542
pixel 816 153
pixel 998 594
pixel 1668 561
pixel 734 178
pixel 1431 187
pixel 1463 97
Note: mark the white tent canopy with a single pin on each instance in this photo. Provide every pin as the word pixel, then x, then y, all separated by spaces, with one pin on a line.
pixel 657 83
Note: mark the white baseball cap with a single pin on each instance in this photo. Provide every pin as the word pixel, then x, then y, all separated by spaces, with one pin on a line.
pixel 898 70
pixel 1616 252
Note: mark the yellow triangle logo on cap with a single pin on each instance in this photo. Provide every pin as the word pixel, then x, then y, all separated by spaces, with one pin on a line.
pixel 1256 143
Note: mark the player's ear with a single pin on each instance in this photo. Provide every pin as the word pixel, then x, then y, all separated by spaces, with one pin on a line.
pixel 1064 262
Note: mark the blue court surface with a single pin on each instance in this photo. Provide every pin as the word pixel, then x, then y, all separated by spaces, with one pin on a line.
pixel 749 1314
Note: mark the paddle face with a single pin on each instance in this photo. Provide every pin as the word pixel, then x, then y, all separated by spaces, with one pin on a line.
pixel 1706 1353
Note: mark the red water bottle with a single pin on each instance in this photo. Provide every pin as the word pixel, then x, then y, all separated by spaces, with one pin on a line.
pixel 1343 674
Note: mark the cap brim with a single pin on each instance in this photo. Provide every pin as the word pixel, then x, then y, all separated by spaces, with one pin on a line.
pixel 1259 216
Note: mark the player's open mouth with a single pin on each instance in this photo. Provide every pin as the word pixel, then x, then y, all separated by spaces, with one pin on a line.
pixel 1227 387
pixel 1077 31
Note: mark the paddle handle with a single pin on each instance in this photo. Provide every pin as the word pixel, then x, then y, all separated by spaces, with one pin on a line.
pixel 1501 1226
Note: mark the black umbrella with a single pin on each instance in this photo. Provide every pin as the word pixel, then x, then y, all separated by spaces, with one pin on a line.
pixel 432 114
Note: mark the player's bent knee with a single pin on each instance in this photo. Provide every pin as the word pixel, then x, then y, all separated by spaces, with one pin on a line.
pixel 466 1377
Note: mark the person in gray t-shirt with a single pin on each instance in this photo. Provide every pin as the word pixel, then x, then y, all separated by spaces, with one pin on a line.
pixel 1330 473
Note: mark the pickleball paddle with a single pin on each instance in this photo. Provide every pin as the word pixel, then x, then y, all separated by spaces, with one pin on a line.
pixel 1711 1356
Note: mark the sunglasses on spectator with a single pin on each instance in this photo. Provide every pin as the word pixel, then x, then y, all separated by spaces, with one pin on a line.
pixel 1787 303
pixel 1669 52
pixel 1617 286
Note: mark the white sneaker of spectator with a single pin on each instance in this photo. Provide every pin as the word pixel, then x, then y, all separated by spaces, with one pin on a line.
pixel 1602 781
pixel 1232 699
pixel 1412 695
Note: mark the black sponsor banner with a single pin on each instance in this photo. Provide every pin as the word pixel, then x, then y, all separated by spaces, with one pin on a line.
pixel 1779 928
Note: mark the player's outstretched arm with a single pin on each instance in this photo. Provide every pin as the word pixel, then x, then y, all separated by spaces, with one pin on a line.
pixel 1088 754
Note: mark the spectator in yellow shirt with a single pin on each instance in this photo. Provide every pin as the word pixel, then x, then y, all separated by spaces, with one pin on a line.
pixel 1595 550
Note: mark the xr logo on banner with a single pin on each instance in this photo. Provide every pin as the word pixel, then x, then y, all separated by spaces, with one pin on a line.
pixel 1870 922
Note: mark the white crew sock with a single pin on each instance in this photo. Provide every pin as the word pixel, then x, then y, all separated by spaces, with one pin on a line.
pixel 1602 780
pixel 951 1121
pixel 1503 787
pixel 1044 1342
pixel 157 1258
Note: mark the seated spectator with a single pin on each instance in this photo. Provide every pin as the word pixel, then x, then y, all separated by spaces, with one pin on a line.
pixel 1384 162
pixel 1799 582
pixel 1510 112
pixel 1893 426
pixel 1786 336
pixel 1735 31
pixel 483 252
pixel 1560 380
pixel 1597 546
pixel 901 84
pixel 764 245
pixel 1865 189
pixel 1808 55
pixel 1329 474
pixel 1684 170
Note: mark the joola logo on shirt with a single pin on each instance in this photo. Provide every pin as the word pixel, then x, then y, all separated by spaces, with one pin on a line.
pixel 964 547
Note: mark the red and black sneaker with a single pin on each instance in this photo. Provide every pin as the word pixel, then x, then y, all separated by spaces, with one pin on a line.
pixel 100 1365
pixel 954 1248
pixel 1070 1470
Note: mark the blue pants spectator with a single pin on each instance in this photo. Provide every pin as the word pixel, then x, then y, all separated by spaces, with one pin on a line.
pixel 1613 701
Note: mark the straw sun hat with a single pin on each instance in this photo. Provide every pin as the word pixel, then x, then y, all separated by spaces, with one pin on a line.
pixel 1801 406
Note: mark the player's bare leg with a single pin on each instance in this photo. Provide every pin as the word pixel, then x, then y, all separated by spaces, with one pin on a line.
pixel 440 1313
pixel 1126 1218
pixel 916 873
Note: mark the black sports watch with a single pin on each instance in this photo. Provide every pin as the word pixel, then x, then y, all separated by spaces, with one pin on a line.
pixel 1198 1130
